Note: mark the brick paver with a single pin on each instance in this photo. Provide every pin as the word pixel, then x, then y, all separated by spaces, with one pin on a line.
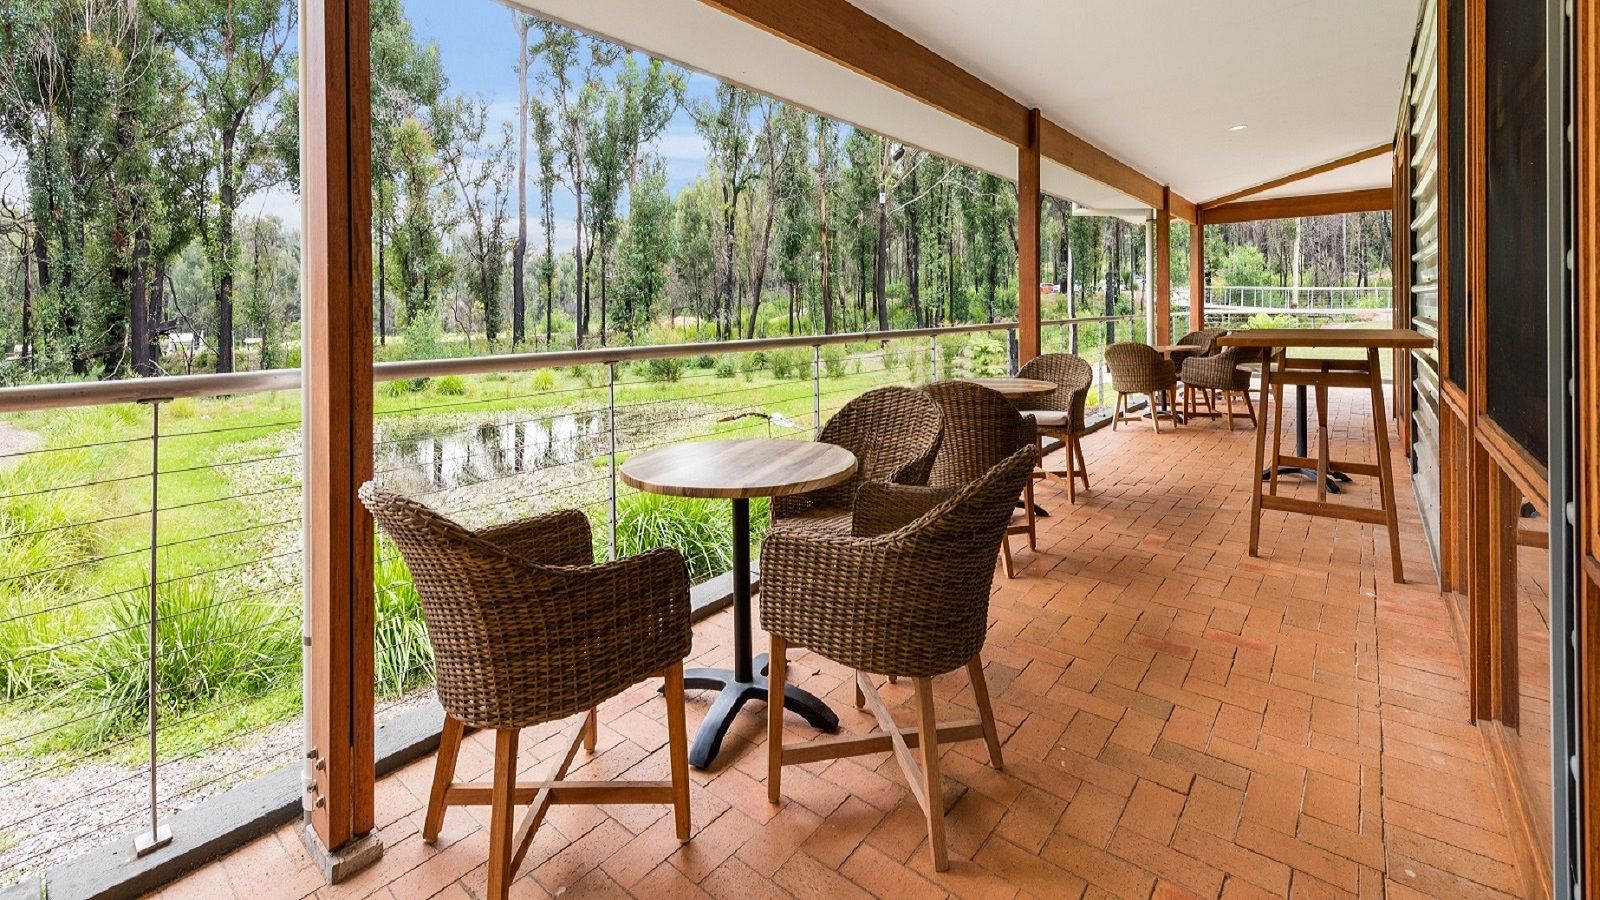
pixel 1180 720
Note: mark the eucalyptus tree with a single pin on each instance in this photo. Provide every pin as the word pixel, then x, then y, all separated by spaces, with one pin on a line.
pixel 418 265
pixel 696 249
pixel 519 250
pixel 573 77
pixel 827 162
pixel 237 52
pixel 724 123
pixel 647 248
pixel 479 170
pixel 636 108
pixel 797 195
pixel 548 177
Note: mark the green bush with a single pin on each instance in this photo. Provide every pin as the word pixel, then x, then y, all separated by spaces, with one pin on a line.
pixel 752 362
pixel 402 656
pixel 833 360
pixel 788 363
pixel 665 370
pixel 989 356
pixel 450 386
pixel 951 346
pixel 705 361
pixel 405 387
pixel 699 529
pixel 726 368
pixel 544 380
pixel 291 359
pixel 891 356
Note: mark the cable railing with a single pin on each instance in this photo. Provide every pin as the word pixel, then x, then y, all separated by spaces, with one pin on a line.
pixel 151 603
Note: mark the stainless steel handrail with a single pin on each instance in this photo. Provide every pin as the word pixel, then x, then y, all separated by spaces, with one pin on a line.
pixel 170 387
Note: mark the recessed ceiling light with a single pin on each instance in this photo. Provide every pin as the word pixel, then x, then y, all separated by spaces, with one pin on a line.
pixel 1240 127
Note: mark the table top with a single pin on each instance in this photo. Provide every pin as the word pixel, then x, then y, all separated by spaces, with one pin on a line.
pixel 1015 387
pixel 1169 349
pixel 1358 338
pixel 734 469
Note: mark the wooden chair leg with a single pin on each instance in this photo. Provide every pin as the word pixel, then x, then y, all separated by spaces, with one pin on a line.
pixel 777 673
pixel 1227 397
pixel 1116 413
pixel 591 729
pixel 1172 405
pixel 980 697
pixel 1322 443
pixel 501 810
pixel 1033 528
pixel 1072 468
pixel 1249 407
pixel 1005 556
pixel 1083 465
pixel 1380 428
pixel 1155 417
pixel 1277 438
pixel 444 771
pixel 678 748
pixel 933 785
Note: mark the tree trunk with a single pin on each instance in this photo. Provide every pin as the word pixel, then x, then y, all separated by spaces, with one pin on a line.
pixel 519 252
pixel 141 335
pixel 913 255
pixel 881 263
pixel 759 277
pixel 730 201
pixel 27 309
pixel 227 201
pixel 1113 276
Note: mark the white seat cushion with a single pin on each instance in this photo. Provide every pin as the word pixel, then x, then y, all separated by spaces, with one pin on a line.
pixel 1049 418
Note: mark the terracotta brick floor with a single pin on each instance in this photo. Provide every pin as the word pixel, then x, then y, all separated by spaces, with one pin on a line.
pixel 1179 720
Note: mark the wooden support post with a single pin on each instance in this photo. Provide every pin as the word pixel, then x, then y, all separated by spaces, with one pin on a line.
pixel 1197 275
pixel 336 132
pixel 1162 269
pixel 1028 315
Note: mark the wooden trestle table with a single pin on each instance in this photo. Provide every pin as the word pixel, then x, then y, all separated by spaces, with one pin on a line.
pixel 1322 374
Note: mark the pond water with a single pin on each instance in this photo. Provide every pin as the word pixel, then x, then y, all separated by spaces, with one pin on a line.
pixel 469 455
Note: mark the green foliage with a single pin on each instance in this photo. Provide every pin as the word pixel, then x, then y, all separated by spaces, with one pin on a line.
pixel 665 370
pixel 405 387
pixel 1244 264
pixel 989 355
pixel 705 361
pixel 891 356
pixel 790 362
pixel 544 380
pixel 833 361
pixel 726 367
pixel 698 529
pixel 450 386
pixel 1265 320
pixel 951 348
pixel 402 655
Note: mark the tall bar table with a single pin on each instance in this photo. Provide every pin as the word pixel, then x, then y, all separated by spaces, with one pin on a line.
pixel 1322 374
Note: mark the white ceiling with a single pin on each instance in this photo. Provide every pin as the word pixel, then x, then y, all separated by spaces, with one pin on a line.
pixel 1314 79
pixel 1368 173
pixel 1158 84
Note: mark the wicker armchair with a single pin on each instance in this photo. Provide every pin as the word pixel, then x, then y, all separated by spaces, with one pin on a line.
pixel 981 429
pixel 1198 344
pixel 1211 374
pixel 1059 414
pixel 894 433
pixel 526 629
pixel 1139 369
pixel 910 602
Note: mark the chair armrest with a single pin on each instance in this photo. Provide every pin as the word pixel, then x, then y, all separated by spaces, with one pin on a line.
pixel 558 539
pixel 628 619
pixel 882 508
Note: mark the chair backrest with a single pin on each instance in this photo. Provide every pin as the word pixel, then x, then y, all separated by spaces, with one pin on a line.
pixel 1071 374
pixel 894 433
pixel 1135 367
pixel 501 635
pixel 1200 339
pixel 981 428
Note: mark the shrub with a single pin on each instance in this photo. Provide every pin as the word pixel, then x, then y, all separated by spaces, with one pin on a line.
pixel 544 380
pixel 891 356
pixel 405 387
pixel 833 360
pixel 951 346
pixel 450 386
pixel 788 363
pixel 753 362
pixel 291 359
pixel 705 361
pixel 698 529
pixel 989 356
pixel 402 656
pixel 664 370
pixel 726 368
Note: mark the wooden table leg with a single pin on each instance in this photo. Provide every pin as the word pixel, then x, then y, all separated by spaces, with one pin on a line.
pixel 1261 458
pixel 1380 429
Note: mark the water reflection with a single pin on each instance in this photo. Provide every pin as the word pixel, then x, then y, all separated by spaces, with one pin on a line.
pixel 493 450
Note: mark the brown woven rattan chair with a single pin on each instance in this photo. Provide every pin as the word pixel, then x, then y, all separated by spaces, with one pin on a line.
pixel 981 428
pixel 526 629
pixel 912 601
pixel 1210 374
pixel 1198 342
pixel 1059 414
pixel 894 433
pixel 1139 369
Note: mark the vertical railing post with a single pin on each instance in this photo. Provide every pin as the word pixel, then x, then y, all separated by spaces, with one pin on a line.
pixel 1011 351
pixel 933 357
pixel 159 835
pixel 816 391
pixel 611 430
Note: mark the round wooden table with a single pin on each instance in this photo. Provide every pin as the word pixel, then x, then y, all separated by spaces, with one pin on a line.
pixel 1015 387
pixel 738 470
